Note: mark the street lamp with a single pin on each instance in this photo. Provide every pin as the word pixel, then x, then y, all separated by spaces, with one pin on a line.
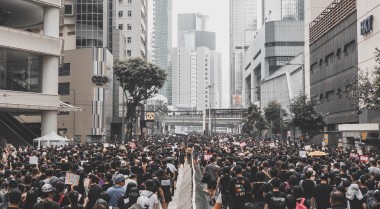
pixel 209 108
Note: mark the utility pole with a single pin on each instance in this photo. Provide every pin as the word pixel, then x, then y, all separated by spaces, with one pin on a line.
pixel 123 123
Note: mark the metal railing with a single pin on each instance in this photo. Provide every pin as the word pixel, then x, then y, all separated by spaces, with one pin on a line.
pixel 200 199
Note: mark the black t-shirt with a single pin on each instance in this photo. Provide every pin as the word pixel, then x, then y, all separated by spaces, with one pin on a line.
pixel 64 201
pixel 239 189
pixel 93 195
pixel 257 191
pixel 275 196
pixel 321 193
pixel 106 186
pixel 307 187
pixel 223 183
pixel 356 203
pixel 267 187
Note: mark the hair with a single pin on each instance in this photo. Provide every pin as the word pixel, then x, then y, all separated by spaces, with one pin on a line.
pixel 276 182
pixel 293 180
pixel 371 184
pixel 273 172
pixel 31 197
pixel 14 196
pixel 290 201
pixel 73 198
pixel 337 197
pixel 260 176
pixel 238 169
pixel 308 174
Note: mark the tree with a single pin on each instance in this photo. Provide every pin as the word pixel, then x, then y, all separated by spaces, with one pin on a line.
pixel 363 90
pixel 274 115
pixel 140 80
pixel 253 120
pixel 309 121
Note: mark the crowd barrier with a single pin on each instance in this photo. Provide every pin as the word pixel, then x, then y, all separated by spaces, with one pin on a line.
pixel 200 199
pixel 185 197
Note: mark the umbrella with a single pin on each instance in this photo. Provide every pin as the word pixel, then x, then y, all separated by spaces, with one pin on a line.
pixel 317 153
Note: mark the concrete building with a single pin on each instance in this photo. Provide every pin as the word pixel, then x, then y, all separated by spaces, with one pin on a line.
pixel 275 45
pixel 162 42
pixel 196 78
pixel 243 27
pixel 338 51
pixel 90 88
pixel 29 57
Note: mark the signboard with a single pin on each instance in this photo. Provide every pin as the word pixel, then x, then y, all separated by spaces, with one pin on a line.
pixel 354 155
pixel 340 144
pixel 105 145
pixel 364 135
pixel 72 179
pixel 308 147
pixel 207 157
pixel 302 153
pixel 366 25
pixel 149 116
pixel 364 158
pixel 33 160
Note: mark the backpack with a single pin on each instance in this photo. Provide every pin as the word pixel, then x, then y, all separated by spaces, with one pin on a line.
pixel 301 205
pixel 276 202
pixel 371 201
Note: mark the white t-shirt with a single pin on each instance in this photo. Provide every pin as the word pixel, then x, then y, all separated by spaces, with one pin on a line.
pixel 153 199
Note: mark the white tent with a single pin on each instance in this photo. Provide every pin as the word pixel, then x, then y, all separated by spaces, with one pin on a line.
pixel 51 139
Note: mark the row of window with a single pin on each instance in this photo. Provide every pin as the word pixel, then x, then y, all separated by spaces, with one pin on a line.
pixel 269 44
pixel 129 13
pixel 121 27
pixel 329 96
pixel 329 59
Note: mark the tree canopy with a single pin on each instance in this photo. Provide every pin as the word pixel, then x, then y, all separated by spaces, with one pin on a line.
pixel 140 80
pixel 253 120
pixel 305 117
pixel 274 115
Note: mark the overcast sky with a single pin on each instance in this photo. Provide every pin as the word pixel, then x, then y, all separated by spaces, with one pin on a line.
pixel 218 11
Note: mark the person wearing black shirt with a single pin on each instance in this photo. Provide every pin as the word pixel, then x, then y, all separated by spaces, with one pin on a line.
pixel 308 186
pixel 257 190
pixel 320 196
pixel 223 186
pixel 239 190
pixel 275 199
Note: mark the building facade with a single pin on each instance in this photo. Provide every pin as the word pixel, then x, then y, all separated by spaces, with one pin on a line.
pixel 162 42
pixel 275 45
pixel 29 57
pixel 274 10
pixel 243 27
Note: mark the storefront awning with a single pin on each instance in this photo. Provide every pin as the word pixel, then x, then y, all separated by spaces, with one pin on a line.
pixel 64 107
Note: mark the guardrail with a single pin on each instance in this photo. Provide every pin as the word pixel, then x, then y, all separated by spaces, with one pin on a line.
pixel 200 199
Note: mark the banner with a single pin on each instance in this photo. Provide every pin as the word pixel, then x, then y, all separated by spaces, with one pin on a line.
pixel 354 155
pixel 243 144
pixel 72 179
pixel 207 157
pixel 364 158
pixel 33 160
pixel 302 153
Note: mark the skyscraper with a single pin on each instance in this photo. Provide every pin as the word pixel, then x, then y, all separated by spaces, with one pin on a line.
pixel 243 27
pixel 273 10
pixel 162 42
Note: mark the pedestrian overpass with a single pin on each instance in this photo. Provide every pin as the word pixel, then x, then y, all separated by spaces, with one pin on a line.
pixel 231 118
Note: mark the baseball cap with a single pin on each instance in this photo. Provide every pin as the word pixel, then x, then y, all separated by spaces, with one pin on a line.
pixel 119 178
pixel 143 201
pixel 47 188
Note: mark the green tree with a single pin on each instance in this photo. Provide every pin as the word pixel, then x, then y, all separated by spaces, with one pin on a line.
pixel 274 115
pixel 363 89
pixel 254 122
pixel 309 121
pixel 140 80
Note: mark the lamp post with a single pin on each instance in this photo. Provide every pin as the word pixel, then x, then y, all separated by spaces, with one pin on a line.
pixel 209 108
pixel 74 112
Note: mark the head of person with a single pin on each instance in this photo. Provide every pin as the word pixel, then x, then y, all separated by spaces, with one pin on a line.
pixel 47 190
pixel 73 197
pixel 31 197
pixel 149 185
pixel 276 182
pixel 290 201
pixel 119 180
pixel 14 196
pixel 238 169
pixel 308 174
pixel 101 202
pixel 376 195
pixel 336 198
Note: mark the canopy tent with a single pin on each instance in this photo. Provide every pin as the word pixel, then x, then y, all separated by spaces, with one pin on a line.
pixel 317 153
pixel 51 139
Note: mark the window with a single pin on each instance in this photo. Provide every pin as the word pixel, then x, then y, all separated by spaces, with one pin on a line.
pixel 129 53
pixel 120 13
pixel 129 14
pixel 329 59
pixel 129 1
pixel 120 26
pixel 338 54
pixel 330 96
pixel 129 27
pixel 350 48
pixel 64 88
pixel 313 68
pixel 270 44
pixel 69 10
pixel 129 40
pixel 257 54
pixel 71 33
pixel 64 69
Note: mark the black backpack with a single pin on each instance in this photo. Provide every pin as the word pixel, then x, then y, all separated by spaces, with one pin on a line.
pixel 371 201
pixel 277 201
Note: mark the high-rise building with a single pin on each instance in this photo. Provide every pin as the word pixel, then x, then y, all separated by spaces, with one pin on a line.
pixel 162 42
pixel 196 78
pixel 243 27
pixel 274 10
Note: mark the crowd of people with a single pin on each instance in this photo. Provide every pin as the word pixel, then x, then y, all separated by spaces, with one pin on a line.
pixel 275 175
pixel 239 173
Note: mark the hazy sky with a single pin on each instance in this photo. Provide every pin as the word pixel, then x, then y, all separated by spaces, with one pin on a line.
pixel 218 11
